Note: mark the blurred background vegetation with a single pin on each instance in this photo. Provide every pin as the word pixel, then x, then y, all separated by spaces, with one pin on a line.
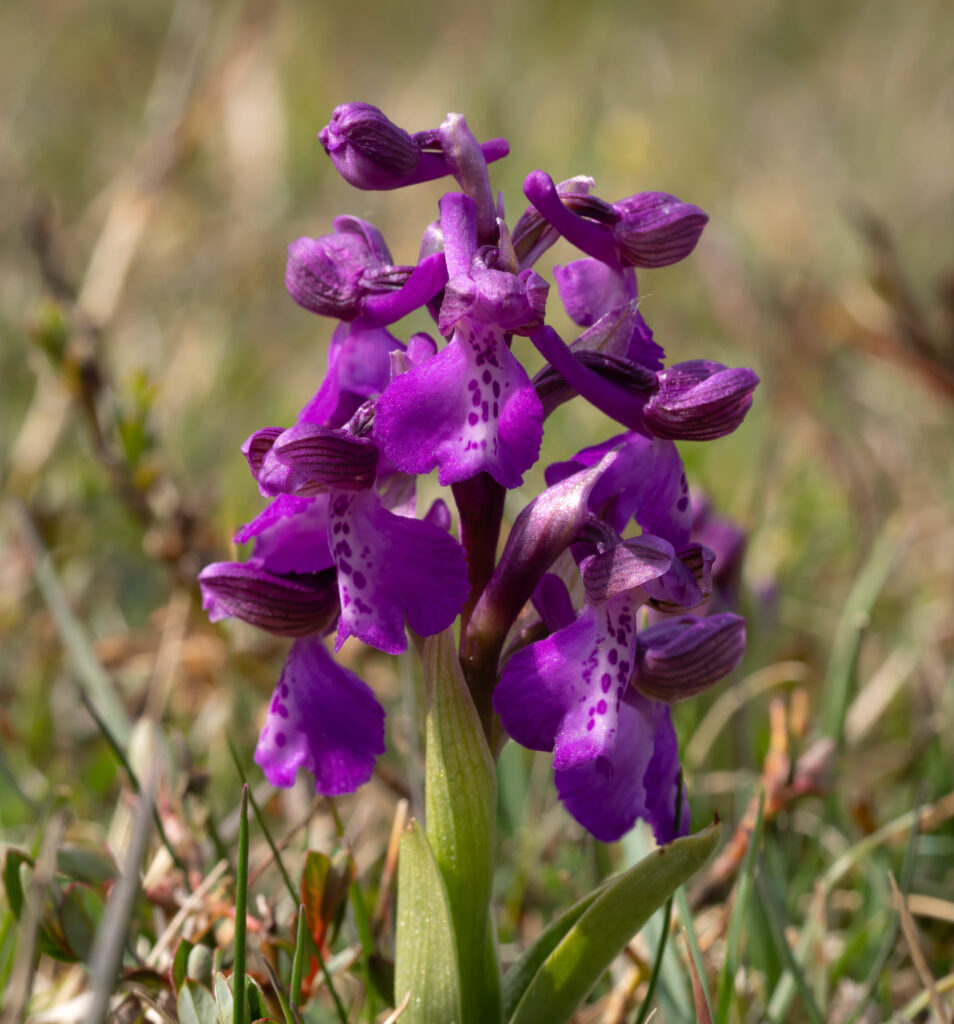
pixel 156 158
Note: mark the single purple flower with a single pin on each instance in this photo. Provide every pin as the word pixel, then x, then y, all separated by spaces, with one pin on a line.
pixel 656 229
pixel 471 408
pixel 566 693
pixel 388 566
pixel 652 229
pixel 333 274
pixel 322 718
pixel 371 152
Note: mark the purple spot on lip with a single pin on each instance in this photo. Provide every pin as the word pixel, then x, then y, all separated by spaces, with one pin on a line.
pixel 280 739
pixel 682 504
pixel 473 419
pixel 605 682
pixel 601 708
pixel 359 580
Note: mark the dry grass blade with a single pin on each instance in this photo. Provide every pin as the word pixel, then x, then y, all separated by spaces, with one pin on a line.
pixel 917 954
pixel 379 916
pixel 399 1009
pixel 111 937
pixel 698 990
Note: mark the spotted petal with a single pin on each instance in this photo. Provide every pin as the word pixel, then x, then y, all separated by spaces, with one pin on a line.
pixel 636 779
pixel 391 567
pixel 564 693
pixel 322 718
pixel 469 409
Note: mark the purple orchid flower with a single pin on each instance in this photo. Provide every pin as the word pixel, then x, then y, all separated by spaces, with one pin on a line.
pixel 570 693
pixel 472 407
pixel 340 548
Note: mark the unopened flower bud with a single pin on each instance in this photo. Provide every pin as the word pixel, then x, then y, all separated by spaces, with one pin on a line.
pixel 368 149
pixel 684 656
pixel 656 229
pixel 371 152
pixel 699 400
pixel 284 605
pixel 332 275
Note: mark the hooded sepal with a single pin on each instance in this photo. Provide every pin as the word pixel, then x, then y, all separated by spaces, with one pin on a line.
pixel 284 605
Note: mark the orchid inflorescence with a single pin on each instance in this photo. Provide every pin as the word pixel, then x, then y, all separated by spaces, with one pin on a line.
pixel 554 636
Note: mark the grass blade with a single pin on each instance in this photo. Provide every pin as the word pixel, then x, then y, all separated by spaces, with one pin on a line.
pixel 241 910
pixel 736 924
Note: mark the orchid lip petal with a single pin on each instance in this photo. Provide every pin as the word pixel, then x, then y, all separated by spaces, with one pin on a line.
pixel 469 409
pixel 323 718
pixel 392 568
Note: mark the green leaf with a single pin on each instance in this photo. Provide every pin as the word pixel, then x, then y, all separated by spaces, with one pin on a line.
pixel 195 1004
pixel 199 964
pixel 80 913
pixel 425 954
pixel 180 962
pixel 255 999
pixel 621 908
pixel 224 1004
pixel 81 864
pixel 461 807
pixel 12 882
pixel 521 973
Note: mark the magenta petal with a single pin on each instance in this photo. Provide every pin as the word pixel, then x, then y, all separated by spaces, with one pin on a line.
pixel 359 366
pixel 291 535
pixel 646 482
pixel 389 568
pixel 637 779
pixel 590 288
pixel 322 718
pixel 470 409
pixel 662 778
pixel 564 692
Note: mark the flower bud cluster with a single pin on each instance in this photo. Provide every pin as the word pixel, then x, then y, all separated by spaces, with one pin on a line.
pixel 340 548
